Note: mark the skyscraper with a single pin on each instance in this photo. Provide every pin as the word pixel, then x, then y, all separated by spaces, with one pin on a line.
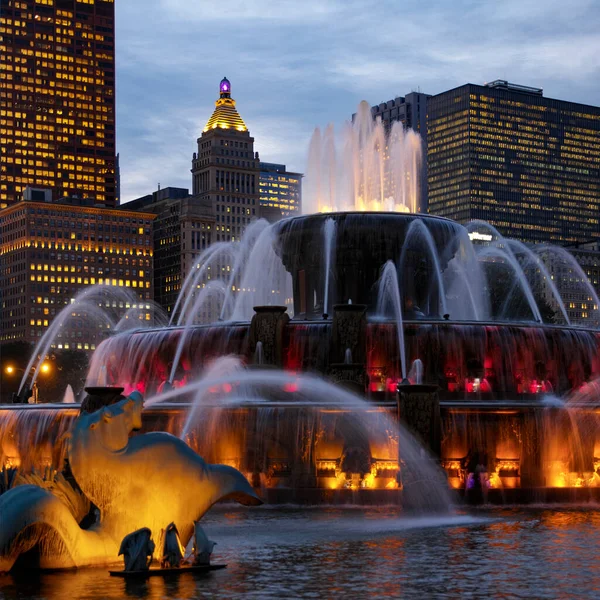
pixel 183 228
pixel 57 99
pixel 280 189
pixel 225 170
pixel 527 164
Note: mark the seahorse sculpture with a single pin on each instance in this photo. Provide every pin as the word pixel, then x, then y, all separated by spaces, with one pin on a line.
pixel 149 480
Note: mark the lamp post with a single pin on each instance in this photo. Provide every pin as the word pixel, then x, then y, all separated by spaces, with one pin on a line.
pixel 27 395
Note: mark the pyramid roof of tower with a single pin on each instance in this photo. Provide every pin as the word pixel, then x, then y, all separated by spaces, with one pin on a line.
pixel 225 116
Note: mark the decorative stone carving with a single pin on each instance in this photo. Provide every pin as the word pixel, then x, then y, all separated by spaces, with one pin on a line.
pixel 351 376
pixel 203 547
pixel 348 332
pixel 172 549
pixel 419 409
pixel 137 549
pixel 268 327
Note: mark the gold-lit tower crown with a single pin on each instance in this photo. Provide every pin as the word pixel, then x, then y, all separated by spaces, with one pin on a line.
pixel 225 115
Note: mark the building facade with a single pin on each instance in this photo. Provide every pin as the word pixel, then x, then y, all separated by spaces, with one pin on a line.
pixel 225 170
pixel 52 251
pixel 527 164
pixel 280 189
pixel 57 99
pixel 184 226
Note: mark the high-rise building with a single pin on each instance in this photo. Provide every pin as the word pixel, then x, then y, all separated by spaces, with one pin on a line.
pixel 50 251
pixel 280 189
pixel 225 170
pixel 57 99
pixel 183 228
pixel 411 111
pixel 527 164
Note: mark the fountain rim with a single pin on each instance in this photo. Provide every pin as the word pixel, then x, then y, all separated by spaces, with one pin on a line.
pixel 371 213
pixel 370 320
pixel 458 406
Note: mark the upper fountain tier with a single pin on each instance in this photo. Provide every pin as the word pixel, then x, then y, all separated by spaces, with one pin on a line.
pixel 361 243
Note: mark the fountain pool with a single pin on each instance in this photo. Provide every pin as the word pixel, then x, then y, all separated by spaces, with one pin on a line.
pixel 333 552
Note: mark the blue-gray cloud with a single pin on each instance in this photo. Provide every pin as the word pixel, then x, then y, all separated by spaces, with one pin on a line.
pixel 294 65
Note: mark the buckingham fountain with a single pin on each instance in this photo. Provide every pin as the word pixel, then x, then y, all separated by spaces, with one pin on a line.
pixel 361 354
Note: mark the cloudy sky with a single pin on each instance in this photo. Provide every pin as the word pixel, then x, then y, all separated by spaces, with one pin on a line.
pixel 296 64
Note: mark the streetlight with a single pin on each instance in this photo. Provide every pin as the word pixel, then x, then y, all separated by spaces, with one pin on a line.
pixel 45 368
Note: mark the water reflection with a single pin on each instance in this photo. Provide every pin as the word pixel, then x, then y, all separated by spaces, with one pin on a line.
pixel 339 553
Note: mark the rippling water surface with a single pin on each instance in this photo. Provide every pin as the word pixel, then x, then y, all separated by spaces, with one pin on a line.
pixel 543 552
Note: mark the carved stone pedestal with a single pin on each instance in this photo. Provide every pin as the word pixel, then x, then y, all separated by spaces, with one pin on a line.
pixel 351 376
pixel 348 333
pixel 419 411
pixel 267 327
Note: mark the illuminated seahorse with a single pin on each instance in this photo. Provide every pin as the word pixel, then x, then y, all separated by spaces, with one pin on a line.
pixel 148 480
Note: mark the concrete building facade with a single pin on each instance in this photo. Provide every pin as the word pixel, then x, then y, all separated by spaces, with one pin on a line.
pixel 280 189
pixel 52 251
pixel 184 226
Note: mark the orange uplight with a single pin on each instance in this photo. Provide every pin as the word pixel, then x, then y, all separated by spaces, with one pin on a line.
pixel 45 368
pixel 10 370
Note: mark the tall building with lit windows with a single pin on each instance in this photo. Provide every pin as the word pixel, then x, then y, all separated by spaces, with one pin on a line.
pixel 280 189
pixel 527 164
pixel 57 99
pixel 225 170
pixel 50 251
pixel 183 228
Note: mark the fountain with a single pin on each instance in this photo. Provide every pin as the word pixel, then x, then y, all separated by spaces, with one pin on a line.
pixel 351 357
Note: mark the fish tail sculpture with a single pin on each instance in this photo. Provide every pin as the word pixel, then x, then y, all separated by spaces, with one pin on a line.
pixel 34 518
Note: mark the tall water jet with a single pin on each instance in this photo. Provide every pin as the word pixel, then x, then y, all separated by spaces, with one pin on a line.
pixel 208 258
pixel 265 281
pixel 366 171
pixel 464 273
pixel 418 234
pixel 87 302
pixel 69 397
pixel 244 250
pixel 214 288
pixel 259 356
pixel 329 232
pixel 389 295
pixel 535 260
pixel 415 374
pixel 496 255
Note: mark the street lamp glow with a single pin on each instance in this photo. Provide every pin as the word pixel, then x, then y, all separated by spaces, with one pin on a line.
pixel 45 368
pixel 10 370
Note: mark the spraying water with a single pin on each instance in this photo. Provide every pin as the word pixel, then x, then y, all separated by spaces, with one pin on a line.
pixel 205 295
pixel 389 294
pixel 415 374
pixel 329 233
pixel 366 170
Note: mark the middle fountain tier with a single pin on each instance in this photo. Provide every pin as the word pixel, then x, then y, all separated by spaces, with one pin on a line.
pixel 379 301
pixel 362 244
